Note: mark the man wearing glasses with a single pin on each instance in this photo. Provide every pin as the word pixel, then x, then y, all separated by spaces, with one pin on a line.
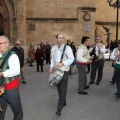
pixel 68 59
pixel 99 62
pixel 20 52
pixel 9 80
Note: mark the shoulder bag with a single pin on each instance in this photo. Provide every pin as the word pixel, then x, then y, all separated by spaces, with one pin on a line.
pixel 57 75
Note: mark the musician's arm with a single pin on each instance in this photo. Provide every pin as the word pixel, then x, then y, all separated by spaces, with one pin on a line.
pixel 102 49
pixel 90 50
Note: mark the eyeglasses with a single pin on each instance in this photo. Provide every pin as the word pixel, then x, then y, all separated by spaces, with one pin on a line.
pixel 60 37
pixel 17 44
pixel 3 43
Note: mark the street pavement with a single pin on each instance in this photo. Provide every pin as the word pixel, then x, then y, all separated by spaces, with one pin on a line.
pixel 39 99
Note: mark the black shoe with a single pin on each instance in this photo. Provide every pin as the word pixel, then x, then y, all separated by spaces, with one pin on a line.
pixel 97 83
pixel 58 113
pixel 91 82
pixel 24 82
pixel 118 96
pixel 64 104
pixel 83 93
pixel 112 83
pixel 88 72
pixel 116 93
pixel 86 87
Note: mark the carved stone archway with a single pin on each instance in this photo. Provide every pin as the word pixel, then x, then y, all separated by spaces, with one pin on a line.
pixel 4 15
pixel 1 25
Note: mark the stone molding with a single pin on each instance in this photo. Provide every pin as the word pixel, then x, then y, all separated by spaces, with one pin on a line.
pixel 106 23
pixel 91 9
pixel 53 19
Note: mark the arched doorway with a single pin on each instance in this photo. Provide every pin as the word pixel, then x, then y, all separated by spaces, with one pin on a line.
pixel 1 25
pixel 4 19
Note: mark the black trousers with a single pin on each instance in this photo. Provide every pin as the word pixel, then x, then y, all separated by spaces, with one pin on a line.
pixel 41 65
pixel 113 78
pixel 117 78
pixel 88 67
pixel 62 91
pixel 47 58
pixel 97 65
pixel 11 97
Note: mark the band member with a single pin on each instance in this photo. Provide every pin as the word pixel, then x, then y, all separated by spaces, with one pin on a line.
pixel 67 60
pixel 99 62
pixel 116 57
pixel 83 58
pixel 9 79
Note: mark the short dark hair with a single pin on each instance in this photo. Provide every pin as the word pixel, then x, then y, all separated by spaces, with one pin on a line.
pixel 59 34
pixel 118 42
pixel 84 38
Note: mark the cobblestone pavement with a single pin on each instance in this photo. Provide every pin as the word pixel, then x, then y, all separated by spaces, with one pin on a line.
pixel 39 100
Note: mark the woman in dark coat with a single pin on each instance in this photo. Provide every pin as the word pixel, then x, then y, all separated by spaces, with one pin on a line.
pixel 73 48
pixel 39 57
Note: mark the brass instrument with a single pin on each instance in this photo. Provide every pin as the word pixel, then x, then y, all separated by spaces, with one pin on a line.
pixel 2 90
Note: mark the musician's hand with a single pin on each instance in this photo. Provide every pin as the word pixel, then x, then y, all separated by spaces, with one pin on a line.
pixel 59 65
pixel 94 46
pixel 89 61
pixel 99 46
pixel 51 70
pixel 118 55
pixel 1 74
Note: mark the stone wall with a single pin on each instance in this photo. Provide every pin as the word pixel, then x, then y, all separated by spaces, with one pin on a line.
pixel 46 18
pixel 106 15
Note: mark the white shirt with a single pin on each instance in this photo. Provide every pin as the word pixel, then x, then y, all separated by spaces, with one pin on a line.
pixel 112 57
pixel 56 54
pixel 102 50
pixel 14 66
pixel 80 57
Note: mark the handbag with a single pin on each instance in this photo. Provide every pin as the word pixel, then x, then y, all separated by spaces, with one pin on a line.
pixel 57 75
pixel 29 60
pixel 73 70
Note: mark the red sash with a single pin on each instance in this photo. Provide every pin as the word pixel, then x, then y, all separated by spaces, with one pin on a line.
pixel 13 84
pixel 84 64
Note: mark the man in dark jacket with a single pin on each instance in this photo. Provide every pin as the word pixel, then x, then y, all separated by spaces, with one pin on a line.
pixel 47 52
pixel 20 52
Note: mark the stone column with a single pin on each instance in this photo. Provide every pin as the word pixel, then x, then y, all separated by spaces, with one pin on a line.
pixel 21 21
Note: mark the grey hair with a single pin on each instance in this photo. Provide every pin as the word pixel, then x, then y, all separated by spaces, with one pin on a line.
pixel 17 41
pixel 5 38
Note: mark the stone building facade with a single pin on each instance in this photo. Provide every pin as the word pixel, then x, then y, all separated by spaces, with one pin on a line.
pixel 34 20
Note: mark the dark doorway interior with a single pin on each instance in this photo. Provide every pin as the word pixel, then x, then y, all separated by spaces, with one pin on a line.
pixel 1 25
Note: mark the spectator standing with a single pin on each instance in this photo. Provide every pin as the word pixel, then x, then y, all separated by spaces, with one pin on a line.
pixel 68 42
pixel 47 51
pixel 39 57
pixel 72 45
pixel 31 54
pixel 20 52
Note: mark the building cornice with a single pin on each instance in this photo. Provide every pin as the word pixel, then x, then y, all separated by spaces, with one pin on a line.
pixel 106 23
pixel 92 9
